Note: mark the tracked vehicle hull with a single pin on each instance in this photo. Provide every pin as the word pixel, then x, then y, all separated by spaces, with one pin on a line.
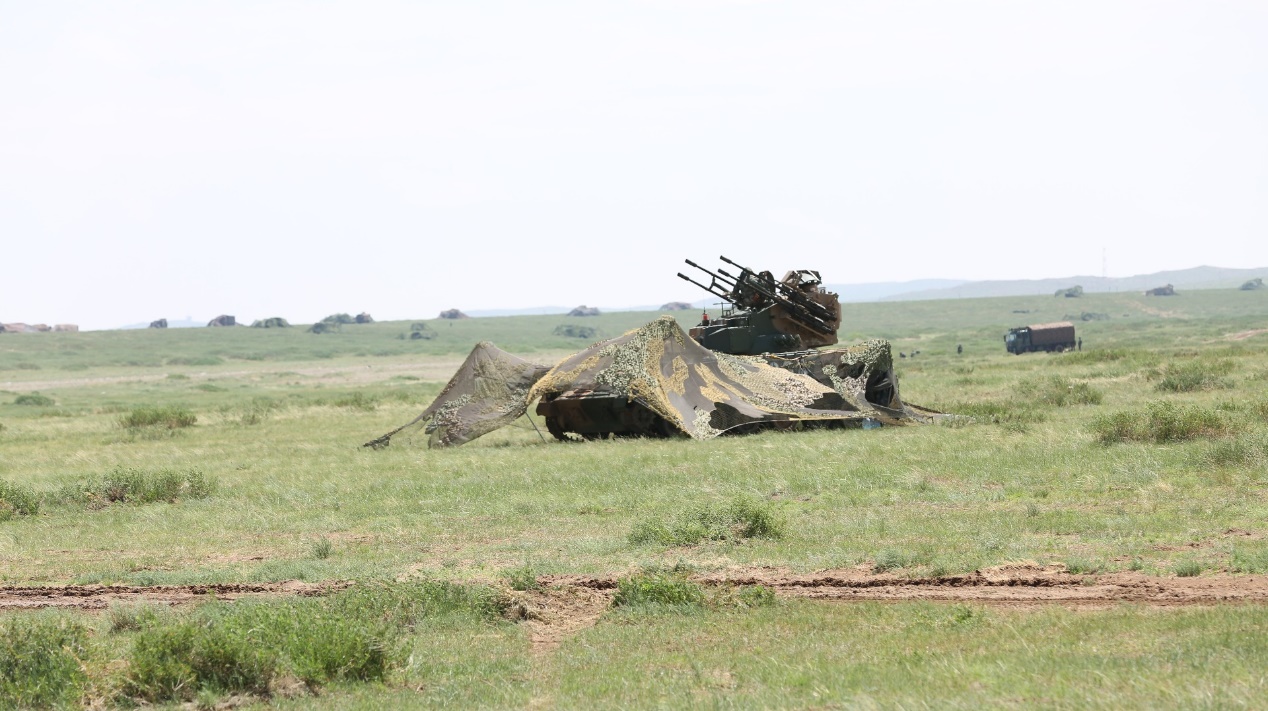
pixel 863 375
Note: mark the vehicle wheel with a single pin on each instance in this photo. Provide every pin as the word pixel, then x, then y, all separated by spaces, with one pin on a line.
pixel 556 430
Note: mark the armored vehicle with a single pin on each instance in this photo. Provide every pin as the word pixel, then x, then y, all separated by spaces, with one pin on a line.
pixel 771 322
pixel 1057 336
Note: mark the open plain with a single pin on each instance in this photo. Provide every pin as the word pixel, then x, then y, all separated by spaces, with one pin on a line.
pixel 188 516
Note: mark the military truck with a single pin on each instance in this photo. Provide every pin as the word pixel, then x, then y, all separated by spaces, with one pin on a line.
pixel 1057 336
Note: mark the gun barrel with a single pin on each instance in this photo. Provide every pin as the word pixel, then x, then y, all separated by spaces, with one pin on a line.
pixel 710 289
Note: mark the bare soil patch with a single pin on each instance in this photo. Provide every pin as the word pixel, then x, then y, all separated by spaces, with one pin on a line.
pixel 1243 335
pixel 560 610
pixel 98 597
pixel 1020 585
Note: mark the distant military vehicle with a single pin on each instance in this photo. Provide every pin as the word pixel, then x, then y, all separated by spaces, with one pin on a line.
pixel 1057 336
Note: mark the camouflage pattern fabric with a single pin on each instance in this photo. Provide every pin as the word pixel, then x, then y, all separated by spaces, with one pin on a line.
pixel 700 392
pixel 703 393
pixel 489 391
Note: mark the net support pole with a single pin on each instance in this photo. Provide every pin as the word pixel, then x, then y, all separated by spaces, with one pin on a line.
pixel 534 424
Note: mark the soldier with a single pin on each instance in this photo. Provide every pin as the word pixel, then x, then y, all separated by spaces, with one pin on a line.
pixel 1080 342
pixel 959 349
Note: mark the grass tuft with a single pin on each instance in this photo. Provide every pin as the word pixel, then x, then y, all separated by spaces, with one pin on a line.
pixel 1060 392
pixel 890 559
pixel 171 418
pixel 125 617
pixel 653 589
pixel 1195 375
pixel 742 518
pixel 1162 422
pixel 1083 566
pixel 17 500
pixel 1188 568
pixel 358 401
pixel 248 646
pixel 135 486
pixel 34 400
pixel 523 578
pixel 322 549
pixel 40 662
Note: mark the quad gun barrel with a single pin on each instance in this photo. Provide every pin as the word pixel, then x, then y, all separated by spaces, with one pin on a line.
pixel 752 290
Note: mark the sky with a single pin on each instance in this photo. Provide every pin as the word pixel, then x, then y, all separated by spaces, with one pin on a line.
pixel 298 159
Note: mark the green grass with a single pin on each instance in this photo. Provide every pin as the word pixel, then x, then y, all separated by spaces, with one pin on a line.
pixel 135 486
pixel 1163 422
pixel 17 500
pixel 735 521
pixel 40 661
pixel 1078 458
pixel 171 418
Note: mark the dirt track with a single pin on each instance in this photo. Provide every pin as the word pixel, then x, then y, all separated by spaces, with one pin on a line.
pixel 98 597
pixel 1009 585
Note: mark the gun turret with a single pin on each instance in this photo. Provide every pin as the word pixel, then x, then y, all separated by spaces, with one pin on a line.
pixel 767 312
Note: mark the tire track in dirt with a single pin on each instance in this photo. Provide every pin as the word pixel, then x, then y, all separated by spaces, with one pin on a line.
pixel 1009 585
pixel 99 597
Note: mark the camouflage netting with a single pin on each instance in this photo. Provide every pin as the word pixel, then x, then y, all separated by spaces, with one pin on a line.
pixel 704 393
pixel 699 392
pixel 489 391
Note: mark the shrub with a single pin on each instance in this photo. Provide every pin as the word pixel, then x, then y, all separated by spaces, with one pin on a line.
pixel 338 319
pixel 324 327
pixel 658 589
pixel 134 486
pixel 742 518
pixel 171 418
pixel 34 400
pixel 17 500
pixel 40 662
pixel 1162 422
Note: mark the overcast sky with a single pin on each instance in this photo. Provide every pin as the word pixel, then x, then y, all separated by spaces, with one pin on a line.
pixel 174 159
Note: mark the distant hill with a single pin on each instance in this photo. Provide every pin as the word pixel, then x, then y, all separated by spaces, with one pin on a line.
pixel 1195 278
pixel 884 289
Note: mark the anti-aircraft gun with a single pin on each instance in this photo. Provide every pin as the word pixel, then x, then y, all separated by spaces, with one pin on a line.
pixel 778 320
pixel 763 315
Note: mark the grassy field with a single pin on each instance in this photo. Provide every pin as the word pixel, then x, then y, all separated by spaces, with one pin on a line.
pixel 199 456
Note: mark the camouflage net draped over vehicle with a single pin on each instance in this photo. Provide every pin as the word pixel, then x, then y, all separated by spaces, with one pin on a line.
pixel 489 391
pixel 704 393
pixel 699 392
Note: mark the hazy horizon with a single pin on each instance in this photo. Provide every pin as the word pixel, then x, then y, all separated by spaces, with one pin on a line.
pixel 279 158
